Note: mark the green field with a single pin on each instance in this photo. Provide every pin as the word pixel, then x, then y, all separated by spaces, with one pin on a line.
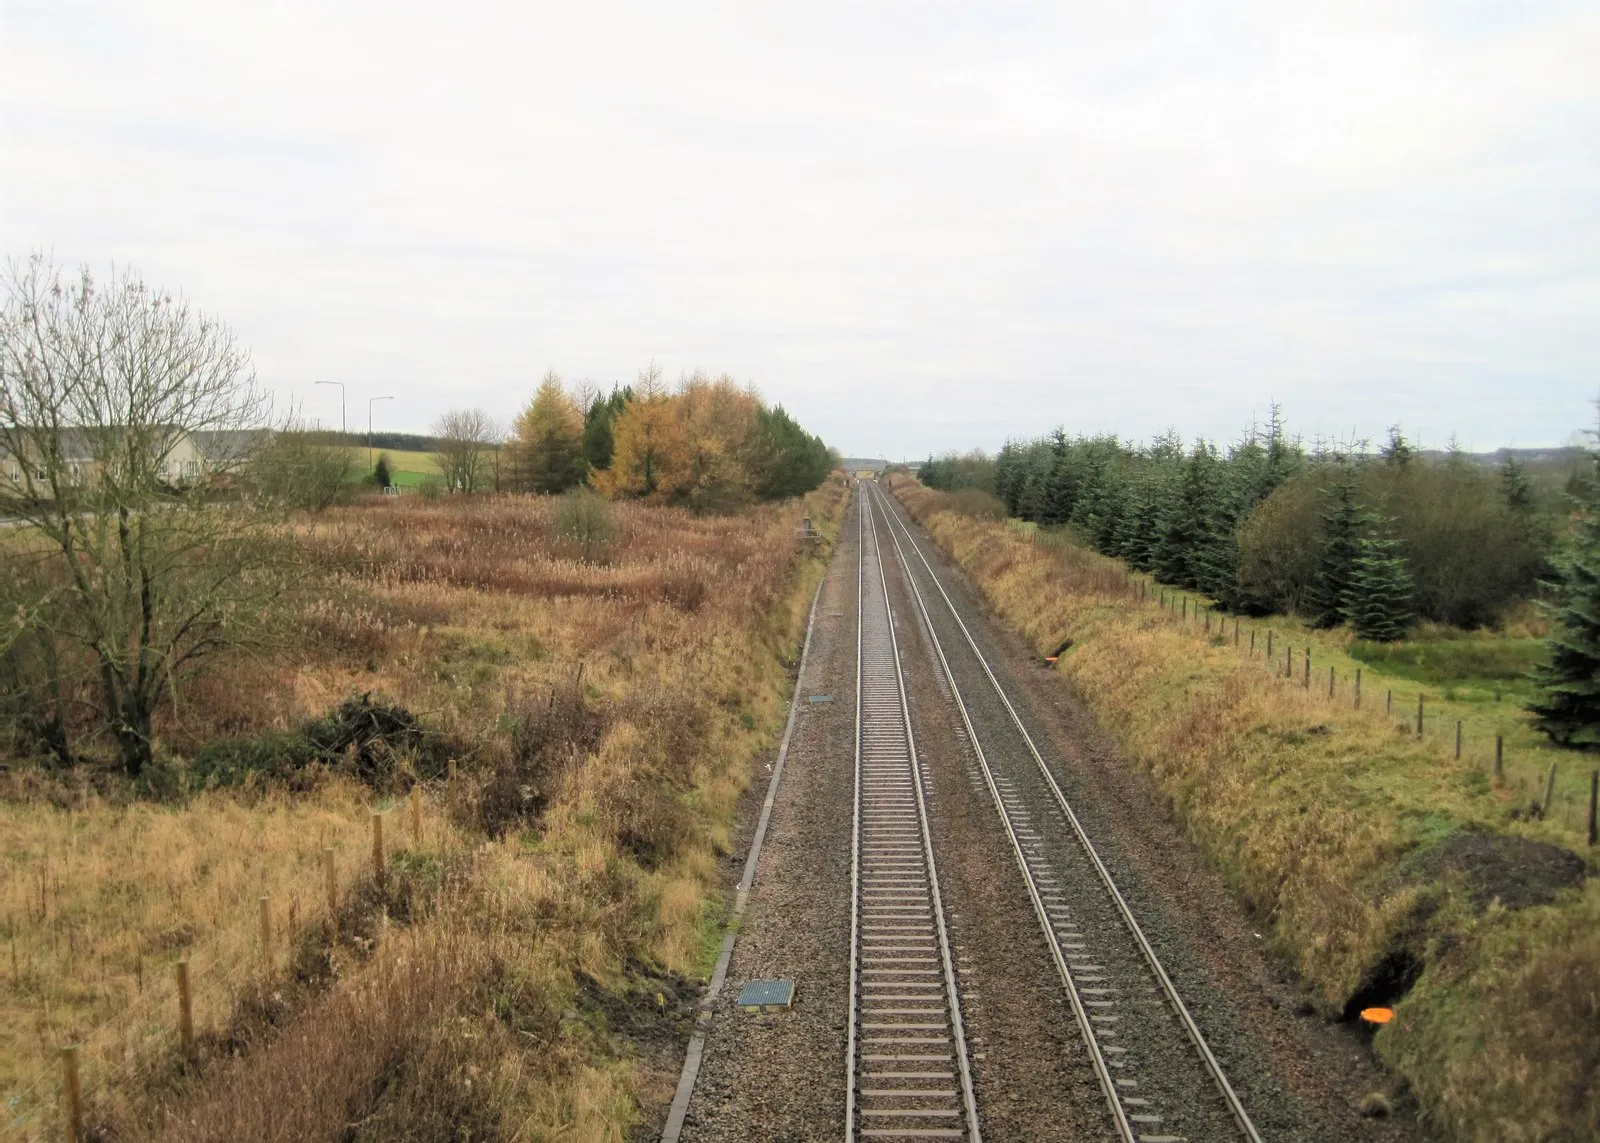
pixel 406 469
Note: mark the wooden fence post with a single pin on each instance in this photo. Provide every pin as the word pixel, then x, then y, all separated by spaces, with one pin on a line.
pixel 1358 688
pixel 1269 644
pixel 71 1093
pixel 1458 740
pixel 1499 758
pixel 1594 802
pixel 1308 667
pixel 377 844
pixel 1330 682
pixel 185 1010
pixel 1419 716
pixel 266 932
pixel 1549 793
pixel 1288 662
pixel 1208 621
pixel 1252 642
pixel 1388 702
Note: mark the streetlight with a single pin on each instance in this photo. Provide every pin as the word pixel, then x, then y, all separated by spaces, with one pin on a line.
pixel 341 400
pixel 370 402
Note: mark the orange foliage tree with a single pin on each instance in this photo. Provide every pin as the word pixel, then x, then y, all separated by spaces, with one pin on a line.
pixel 650 447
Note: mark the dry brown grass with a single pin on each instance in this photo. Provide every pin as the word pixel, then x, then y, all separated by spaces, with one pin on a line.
pixel 1315 813
pixel 471 614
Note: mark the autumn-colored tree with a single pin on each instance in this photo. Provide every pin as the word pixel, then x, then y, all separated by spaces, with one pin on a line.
pixel 549 439
pixel 721 427
pixel 650 448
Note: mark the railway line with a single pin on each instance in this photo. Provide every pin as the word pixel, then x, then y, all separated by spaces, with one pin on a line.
pixel 909 1070
pixel 909 1075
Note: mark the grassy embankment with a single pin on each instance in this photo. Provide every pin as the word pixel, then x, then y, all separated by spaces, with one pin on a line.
pixel 1378 862
pixel 513 973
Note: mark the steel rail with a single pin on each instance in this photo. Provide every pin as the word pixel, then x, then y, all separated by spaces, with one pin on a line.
pixel 855 830
pixel 892 861
pixel 1196 1037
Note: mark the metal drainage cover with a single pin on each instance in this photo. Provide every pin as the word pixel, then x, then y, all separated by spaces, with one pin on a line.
pixel 766 995
pixel 821 698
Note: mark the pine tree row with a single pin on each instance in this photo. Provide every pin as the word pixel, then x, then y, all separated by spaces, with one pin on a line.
pixel 1370 539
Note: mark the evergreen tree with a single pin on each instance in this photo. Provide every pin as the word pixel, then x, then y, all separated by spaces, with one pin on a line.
pixel 1515 486
pixel 1035 482
pixel 1567 707
pixel 1060 491
pixel 380 473
pixel 549 440
pixel 598 418
pixel 1009 472
pixel 1337 550
pixel 1140 523
pixel 1398 452
pixel 1188 528
pixel 1378 598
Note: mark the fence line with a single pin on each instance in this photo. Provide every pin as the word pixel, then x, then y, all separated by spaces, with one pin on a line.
pixel 1177 607
pixel 83 1068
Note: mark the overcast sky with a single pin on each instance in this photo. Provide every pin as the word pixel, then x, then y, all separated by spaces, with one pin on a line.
pixel 919 226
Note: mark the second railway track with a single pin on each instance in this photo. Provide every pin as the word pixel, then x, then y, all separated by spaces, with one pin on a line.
pixel 1160 1079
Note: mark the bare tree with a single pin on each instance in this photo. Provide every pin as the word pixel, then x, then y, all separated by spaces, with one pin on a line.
pixel 125 418
pixel 304 468
pixel 500 455
pixel 465 449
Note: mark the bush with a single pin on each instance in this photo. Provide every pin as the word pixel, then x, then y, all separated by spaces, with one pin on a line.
pixel 977 503
pixel 374 742
pixel 586 520
pixel 1278 546
pixel 546 737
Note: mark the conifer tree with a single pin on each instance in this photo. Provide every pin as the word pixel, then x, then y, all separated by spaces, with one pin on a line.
pixel 597 421
pixel 1567 706
pixel 1378 599
pixel 549 435
pixel 1398 452
pixel 1515 485
pixel 1337 551
pixel 1188 527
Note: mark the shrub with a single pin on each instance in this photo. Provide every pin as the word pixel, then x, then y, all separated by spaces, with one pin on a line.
pixel 976 502
pixel 585 519
pixel 371 741
pixel 545 738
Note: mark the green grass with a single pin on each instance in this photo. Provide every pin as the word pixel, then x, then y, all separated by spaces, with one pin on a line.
pixel 407 469
pixel 1476 678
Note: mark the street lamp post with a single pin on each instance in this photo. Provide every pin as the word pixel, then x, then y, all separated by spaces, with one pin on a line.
pixel 341 401
pixel 370 402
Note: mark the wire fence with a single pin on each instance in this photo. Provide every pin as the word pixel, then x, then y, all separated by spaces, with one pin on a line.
pixel 197 993
pixel 1572 807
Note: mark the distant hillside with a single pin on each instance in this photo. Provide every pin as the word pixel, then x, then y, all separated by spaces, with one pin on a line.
pixel 1554 454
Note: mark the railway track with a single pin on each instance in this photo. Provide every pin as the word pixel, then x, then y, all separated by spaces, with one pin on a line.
pixel 908 1071
pixel 1160 1079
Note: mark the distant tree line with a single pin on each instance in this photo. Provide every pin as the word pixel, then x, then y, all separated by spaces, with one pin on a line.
pixel 708 443
pixel 399 442
pixel 1371 538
